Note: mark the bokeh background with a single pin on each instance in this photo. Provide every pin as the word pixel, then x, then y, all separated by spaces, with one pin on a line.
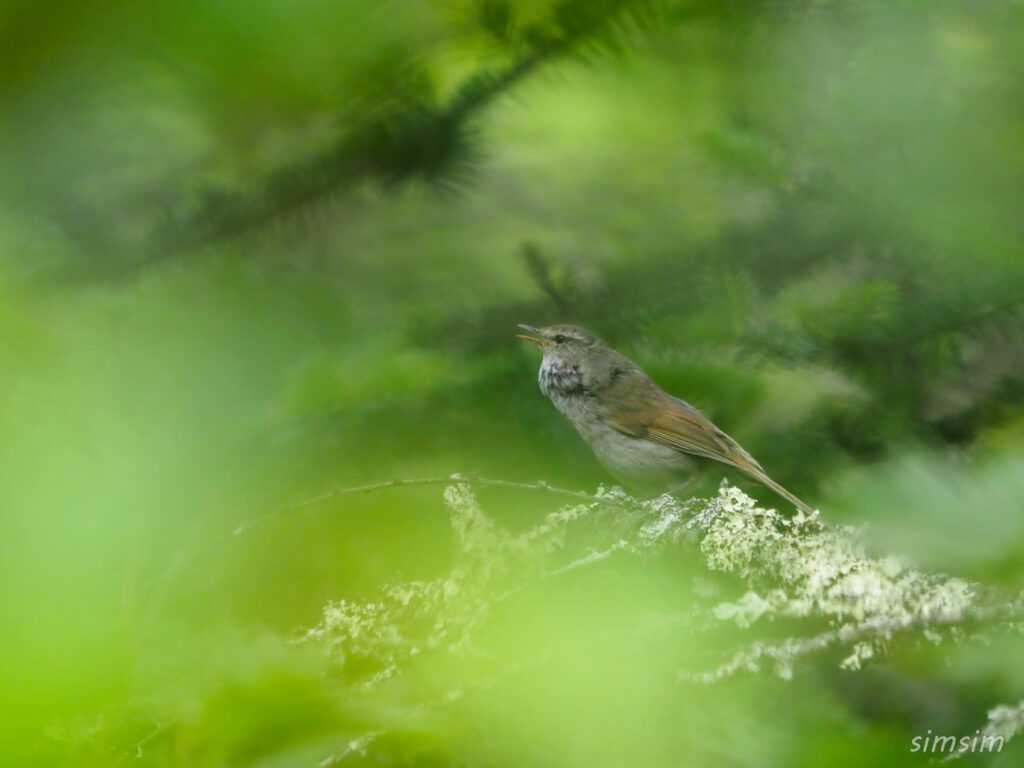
pixel 251 251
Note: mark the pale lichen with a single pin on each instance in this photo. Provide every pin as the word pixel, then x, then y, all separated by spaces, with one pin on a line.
pixel 810 570
pixel 793 567
pixel 443 613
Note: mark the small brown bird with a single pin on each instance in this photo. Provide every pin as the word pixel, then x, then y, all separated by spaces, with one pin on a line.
pixel 641 434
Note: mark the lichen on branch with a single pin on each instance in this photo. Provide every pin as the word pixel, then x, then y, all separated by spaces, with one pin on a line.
pixel 790 567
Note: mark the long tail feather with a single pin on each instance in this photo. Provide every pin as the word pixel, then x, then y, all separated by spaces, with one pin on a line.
pixel 762 478
pixel 747 463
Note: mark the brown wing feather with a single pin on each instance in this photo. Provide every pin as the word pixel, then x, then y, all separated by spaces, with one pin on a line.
pixel 636 406
pixel 688 429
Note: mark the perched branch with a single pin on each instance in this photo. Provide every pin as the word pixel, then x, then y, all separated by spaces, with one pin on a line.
pixel 480 482
pixel 792 567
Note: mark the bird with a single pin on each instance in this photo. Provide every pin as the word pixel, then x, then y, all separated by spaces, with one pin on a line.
pixel 642 435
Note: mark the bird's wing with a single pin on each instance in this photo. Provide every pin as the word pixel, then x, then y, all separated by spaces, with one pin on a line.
pixel 636 406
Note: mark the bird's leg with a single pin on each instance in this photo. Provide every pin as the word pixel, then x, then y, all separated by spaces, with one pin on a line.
pixel 676 488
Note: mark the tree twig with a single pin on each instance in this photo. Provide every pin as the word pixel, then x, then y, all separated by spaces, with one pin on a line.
pixel 479 482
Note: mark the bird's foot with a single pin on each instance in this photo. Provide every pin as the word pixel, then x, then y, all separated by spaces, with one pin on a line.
pixel 675 488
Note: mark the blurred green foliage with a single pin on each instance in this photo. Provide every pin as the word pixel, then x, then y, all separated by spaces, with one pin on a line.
pixel 250 251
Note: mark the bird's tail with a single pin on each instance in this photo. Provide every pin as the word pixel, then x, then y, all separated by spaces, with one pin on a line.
pixel 754 469
pixel 801 505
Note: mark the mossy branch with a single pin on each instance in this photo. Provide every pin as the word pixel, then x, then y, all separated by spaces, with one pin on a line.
pixel 792 567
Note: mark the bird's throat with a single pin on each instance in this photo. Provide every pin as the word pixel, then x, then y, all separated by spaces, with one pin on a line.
pixel 560 379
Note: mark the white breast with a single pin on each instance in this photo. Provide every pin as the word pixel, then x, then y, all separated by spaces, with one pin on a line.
pixel 637 462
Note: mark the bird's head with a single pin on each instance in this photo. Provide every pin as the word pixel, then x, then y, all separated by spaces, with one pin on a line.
pixel 567 343
pixel 572 354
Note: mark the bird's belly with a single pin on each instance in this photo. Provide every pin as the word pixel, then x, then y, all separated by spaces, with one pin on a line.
pixel 638 462
pixel 635 461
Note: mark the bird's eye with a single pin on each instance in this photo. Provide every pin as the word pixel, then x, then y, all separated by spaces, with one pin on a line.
pixel 559 338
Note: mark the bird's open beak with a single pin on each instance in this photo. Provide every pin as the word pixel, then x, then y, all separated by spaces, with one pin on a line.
pixel 535 339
